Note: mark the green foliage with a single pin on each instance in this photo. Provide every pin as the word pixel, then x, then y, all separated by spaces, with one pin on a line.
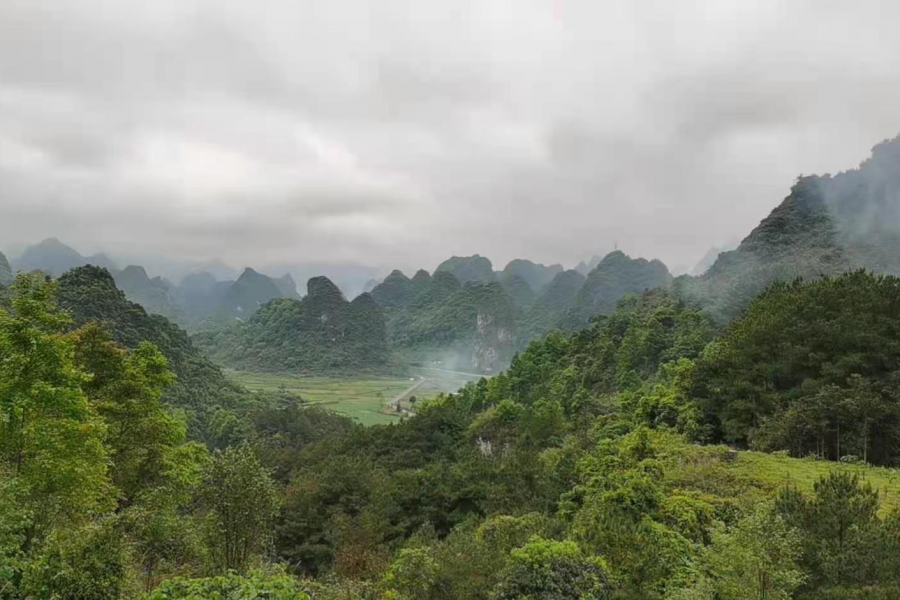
pixel 550 570
pixel 617 353
pixel 240 501
pixel 254 586
pixel 757 558
pixel 319 334
pixel 51 441
pixel 88 563
pixel 6 273
pixel 412 574
pixel 804 363
pixel 468 269
pixel 89 294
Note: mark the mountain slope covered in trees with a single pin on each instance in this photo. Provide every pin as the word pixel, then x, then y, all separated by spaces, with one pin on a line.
pixel 826 225
pixel 323 332
pixel 469 269
pixel 89 294
pixel 6 273
pixel 155 295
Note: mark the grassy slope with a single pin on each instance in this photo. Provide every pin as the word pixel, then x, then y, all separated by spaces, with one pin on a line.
pixel 753 477
pixel 773 472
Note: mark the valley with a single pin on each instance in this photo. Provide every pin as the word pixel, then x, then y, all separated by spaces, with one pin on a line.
pixel 368 400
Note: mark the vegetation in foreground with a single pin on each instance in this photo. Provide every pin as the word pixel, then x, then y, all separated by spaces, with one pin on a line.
pixel 593 468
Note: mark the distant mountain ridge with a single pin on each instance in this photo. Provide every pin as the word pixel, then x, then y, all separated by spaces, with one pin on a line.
pixel 155 294
pixel 466 269
pixel 826 225
pixel 481 319
pixel 482 322
pixel 322 332
pixel 55 258
pixel 6 272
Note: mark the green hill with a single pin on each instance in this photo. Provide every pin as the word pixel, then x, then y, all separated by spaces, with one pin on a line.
pixel 825 226
pixel 468 269
pixel 537 275
pixel 90 294
pixel 287 285
pixel 550 307
pixel 321 333
pixel 55 258
pixel 247 294
pixel 519 291
pixel 394 291
pixel 475 321
pixel 155 295
pixel 6 273
pixel 616 276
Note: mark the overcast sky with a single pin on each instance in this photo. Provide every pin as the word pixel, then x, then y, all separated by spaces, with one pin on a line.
pixel 398 133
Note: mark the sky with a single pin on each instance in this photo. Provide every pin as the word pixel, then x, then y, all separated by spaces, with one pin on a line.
pixel 397 133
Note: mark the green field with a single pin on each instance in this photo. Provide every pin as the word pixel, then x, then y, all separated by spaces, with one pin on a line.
pixel 777 471
pixel 362 398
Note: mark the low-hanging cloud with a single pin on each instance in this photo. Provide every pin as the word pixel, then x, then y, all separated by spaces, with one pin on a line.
pixel 397 133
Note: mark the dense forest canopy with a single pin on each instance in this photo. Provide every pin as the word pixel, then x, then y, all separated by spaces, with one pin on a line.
pixel 323 332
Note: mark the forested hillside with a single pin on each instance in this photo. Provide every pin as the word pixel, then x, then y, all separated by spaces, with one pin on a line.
pixel 155 295
pixel 481 324
pixel 616 276
pixel 827 225
pixel 469 269
pixel 587 470
pixel 89 295
pixel 6 274
pixel 535 275
pixel 323 332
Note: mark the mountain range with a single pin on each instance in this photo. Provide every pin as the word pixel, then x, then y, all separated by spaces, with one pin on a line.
pixel 478 317
pixel 825 226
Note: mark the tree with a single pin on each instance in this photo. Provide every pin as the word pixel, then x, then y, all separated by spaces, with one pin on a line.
pixel 757 558
pixel 51 439
pixel 549 570
pixel 87 563
pixel 126 388
pixel 839 523
pixel 803 363
pixel 241 500
pixel 412 575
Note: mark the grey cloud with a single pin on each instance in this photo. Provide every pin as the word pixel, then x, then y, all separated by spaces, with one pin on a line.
pixel 396 133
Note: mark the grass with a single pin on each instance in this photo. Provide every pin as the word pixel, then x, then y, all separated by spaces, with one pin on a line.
pixel 362 398
pixel 774 471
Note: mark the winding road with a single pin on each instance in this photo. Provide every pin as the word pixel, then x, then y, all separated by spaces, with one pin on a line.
pixel 394 403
